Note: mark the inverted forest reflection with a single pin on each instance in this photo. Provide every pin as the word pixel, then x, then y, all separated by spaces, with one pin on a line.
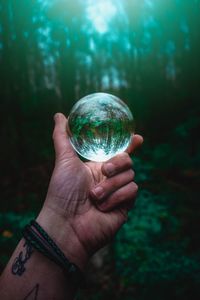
pixel 54 52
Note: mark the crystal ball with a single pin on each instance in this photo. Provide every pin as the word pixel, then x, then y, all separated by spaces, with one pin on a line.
pixel 100 126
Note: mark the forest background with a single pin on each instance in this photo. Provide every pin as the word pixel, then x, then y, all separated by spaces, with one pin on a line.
pixel 53 52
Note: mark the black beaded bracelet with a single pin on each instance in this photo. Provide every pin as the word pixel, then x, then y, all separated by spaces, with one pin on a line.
pixel 36 236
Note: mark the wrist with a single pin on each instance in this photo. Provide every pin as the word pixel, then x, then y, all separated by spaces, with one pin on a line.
pixel 60 230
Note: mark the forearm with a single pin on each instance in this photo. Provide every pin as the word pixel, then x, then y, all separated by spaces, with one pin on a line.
pixel 72 221
pixel 30 273
pixel 35 275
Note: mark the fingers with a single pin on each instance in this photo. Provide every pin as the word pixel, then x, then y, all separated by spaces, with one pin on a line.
pixel 115 191
pixel 106 187
pixel 121 161
pixel 136 142
pixel 60 136
pixel 118 189
pixel 117 164
pixel 122 197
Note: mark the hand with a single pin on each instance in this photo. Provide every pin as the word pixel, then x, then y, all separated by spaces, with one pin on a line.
pixel 87 202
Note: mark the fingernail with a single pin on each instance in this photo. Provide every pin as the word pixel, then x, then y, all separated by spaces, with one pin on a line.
pixel 109 168
pixel 98 192
pixel 56 116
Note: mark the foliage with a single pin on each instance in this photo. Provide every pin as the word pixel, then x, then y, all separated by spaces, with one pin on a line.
pixel 157 249
pixel 53 52
pixel 152 254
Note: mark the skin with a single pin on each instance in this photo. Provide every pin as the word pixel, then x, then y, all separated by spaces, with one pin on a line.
pixel 86 204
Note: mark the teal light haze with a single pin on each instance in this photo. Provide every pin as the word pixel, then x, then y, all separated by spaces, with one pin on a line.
pixel 145 52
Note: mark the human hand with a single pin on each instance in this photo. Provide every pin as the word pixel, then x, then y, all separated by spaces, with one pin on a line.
pixel 75 214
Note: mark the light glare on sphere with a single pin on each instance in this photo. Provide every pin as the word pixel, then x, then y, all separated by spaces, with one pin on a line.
pixel 100 126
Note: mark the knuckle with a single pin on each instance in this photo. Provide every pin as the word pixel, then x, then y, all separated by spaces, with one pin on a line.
pixel 109 169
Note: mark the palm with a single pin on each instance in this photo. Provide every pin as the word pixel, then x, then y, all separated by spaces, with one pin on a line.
pixel 71 183
pixel 73 180
pixel 91 222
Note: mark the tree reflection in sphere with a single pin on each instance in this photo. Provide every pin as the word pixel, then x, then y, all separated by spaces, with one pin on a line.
pixel 100 126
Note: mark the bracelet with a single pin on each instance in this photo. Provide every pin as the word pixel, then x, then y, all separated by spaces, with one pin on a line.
pixel 36 236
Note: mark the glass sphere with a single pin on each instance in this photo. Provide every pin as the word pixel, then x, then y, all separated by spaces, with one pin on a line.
pixel 100 126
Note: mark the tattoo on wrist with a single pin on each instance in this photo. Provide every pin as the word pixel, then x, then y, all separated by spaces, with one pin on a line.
pixel 33 294
pixel 18 267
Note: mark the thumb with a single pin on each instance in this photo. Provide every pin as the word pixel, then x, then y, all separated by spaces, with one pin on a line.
pixel 62 145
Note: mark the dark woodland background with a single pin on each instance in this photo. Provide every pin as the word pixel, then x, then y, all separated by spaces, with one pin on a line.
pixel 147 53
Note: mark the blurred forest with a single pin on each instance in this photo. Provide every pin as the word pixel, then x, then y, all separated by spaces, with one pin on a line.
pixel 147 52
